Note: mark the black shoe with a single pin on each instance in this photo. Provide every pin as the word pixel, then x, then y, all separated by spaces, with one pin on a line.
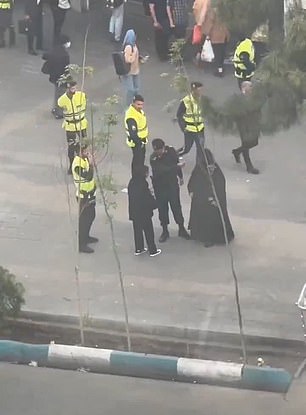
pixel 32 52
pixel 252 170
pixel 208 244
pixel 86 249
pixel 164 236
pixel 236 154
pixel 182 233
pixel 56 114
pixel 92 240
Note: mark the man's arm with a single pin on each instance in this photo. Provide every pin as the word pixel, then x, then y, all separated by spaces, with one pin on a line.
pixel 85 174
pixel 153 15
pixel 180 114
pixel 170 12
pixel 133 130
pixel 244 57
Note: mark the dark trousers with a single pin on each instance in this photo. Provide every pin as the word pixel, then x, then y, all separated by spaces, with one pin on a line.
pixel 169 195
pixel 73 139
pixel 35 32
pixel 162 43
pixel 139 154
pixel 245 154
pixel 58 21
pixel 219 52
pixel 87 215
pixel 189 139
pixel 144 227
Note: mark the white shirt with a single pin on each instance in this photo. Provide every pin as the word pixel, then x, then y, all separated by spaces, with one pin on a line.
pixel 64 4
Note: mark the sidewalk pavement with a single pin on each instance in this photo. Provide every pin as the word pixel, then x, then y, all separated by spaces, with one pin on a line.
pixel 188 286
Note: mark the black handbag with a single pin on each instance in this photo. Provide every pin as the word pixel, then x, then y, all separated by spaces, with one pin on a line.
pixel 45 68
pixel 23 26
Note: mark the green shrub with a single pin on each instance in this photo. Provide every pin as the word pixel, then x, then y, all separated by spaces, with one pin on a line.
pixel 11 294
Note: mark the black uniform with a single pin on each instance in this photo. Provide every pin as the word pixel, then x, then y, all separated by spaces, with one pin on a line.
pixel 34 11
pixel 165 176
pixel 141 206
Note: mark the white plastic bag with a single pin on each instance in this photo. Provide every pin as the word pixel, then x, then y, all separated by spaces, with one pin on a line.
pixel 207 54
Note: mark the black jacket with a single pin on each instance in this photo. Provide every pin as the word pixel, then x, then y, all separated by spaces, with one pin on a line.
pixel 57 60
pixel 33 9
pixel 165 169
pixel 141 201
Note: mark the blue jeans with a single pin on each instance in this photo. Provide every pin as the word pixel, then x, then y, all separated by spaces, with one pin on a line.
pixel 116 22
pixel 131 86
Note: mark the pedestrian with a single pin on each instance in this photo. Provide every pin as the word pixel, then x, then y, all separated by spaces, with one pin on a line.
pixel 141 206
pixel 179 17
pixel 116 19
pixel 162 22
pixel 137 131
pixel 34 18
pixel 244 60
pixel 6 16
pixel 83 172
pixel 205 223
pixel 190 118
pixel 217 32
pixel 200 9
pixel 59 10
pixel 249 127
pixel 131 56
pixel 57 61
pixel 166 170
pixel 73 104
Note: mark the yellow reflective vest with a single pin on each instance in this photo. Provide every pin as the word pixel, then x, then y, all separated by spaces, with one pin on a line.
pixel 74 111
pixel 6 4
pixel 84 188
pixel 240 69
pixel 141 122
pixel 193 115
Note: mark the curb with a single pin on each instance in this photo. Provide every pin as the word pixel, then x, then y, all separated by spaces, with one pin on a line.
pixel 148 366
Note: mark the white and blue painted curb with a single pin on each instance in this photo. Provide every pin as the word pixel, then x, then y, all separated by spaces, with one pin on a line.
pixel 148 366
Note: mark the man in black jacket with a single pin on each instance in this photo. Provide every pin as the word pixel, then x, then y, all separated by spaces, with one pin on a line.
pixel 33 14
pixel 166 169
pixel 56 65
pixel 141 206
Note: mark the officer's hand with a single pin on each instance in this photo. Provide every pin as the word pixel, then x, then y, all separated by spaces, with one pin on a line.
pixel 181 181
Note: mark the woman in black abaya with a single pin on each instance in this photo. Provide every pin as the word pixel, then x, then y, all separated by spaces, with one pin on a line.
pixel 205 222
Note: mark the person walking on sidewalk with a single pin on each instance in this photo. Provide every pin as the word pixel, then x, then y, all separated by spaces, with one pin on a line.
pixel 141 206
pixel 131 56
pixel 190 119
pixel 244 60
pixel 6 15
pixel 73 104
pixel 163 24
pixel 248 124
pixel 34 17
pixel 59 9
pixel 137 131
pixel 166 170
pixel 57 61
pixel 116 20
pixel 82 170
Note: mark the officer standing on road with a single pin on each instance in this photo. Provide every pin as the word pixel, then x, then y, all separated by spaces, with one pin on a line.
pixel 166 169
pixel 73 104
pixel 6 12
pixel 244 60
pixel 190 118
pixel 82 170
pixel 137 130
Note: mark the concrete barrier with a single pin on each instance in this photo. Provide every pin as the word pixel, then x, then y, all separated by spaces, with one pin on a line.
pixel 148 366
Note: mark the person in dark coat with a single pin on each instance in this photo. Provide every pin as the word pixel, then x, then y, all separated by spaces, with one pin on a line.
pixel 6 15
pixel 59 9
pixel 166 170
pixel 33 14
pixel 141 206
pixel 205 223
pixel 57 61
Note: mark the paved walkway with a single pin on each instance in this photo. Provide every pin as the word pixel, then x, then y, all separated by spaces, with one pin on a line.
pixel 187 286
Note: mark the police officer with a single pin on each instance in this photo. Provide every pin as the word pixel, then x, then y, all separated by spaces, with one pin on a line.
pixel 166 170
pixel 6 11
pixel 82 170
pixel 244 60
pixel 190 118
pixel 73 104
pixel 137 130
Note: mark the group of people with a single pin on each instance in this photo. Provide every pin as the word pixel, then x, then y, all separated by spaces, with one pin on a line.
pixel 33 21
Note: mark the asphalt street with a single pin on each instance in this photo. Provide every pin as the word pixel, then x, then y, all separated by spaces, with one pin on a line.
pixel 37 391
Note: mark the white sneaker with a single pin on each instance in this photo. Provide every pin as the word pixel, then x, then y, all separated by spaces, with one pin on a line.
pixel 158 251
pixel 136 253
